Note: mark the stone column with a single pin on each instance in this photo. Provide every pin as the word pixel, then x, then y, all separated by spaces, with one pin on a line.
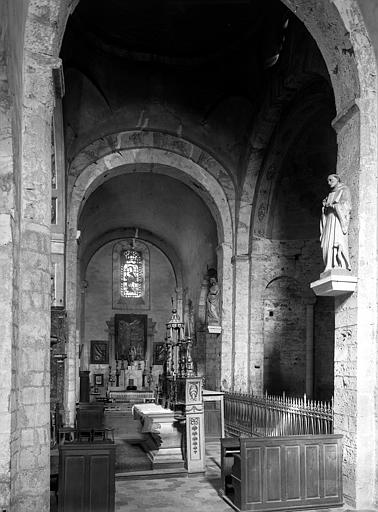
pixel 30 467
pixel 257 287
pixel 309 350
pixel 356 314
pixel 9 247
pixel 240 355
pixel 73 301
pixel 224 341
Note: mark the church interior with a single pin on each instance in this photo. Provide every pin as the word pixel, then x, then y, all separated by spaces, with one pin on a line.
pixel 166 184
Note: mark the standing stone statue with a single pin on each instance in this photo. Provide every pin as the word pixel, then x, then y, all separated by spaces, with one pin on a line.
pixel 334 224
pixel 213 302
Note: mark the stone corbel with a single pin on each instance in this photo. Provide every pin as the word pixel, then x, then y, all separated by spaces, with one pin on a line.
pixel 334 282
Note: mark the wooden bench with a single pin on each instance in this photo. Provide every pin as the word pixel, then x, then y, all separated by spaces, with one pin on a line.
pixel 90 423
pixel 282 473
pixel 230 446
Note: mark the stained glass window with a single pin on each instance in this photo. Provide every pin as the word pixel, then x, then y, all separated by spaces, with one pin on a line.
pixel 131 273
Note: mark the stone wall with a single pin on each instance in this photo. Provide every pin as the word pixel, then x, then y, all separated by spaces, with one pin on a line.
pixel 99 307
pixel 281 273
pixel 324 348
pixel 12 19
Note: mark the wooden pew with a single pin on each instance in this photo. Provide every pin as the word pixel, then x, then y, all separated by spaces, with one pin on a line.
pixel 283 473
pixel 90 423
pixel 230 446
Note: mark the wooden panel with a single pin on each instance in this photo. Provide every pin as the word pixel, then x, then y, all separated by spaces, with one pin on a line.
pixel 292 472
pixel 273 473
pixel 72 497
pixel 254 470
pixel 99 480
pixel 330 470
pixel 281 473
pixel 312 471
pixel 213 420
pixel 86 477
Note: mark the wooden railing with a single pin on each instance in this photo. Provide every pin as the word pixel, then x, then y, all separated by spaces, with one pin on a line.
pixel 249 415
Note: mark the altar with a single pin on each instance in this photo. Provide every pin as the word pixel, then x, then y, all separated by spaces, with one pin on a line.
pixel 164 435
pixel 132 397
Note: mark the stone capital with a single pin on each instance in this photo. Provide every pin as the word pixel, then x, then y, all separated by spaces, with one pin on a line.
pixel 240 258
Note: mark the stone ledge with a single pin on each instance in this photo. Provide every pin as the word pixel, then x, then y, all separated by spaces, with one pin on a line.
pixel 214 329
pixel 333 283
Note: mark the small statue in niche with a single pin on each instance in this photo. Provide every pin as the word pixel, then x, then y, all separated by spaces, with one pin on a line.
pixel 213 300
pixel 334 224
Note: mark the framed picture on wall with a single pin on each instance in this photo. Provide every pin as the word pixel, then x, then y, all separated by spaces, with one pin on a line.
pixel 130 337
pixel 99 352
pixel 159 353
pixel 99 379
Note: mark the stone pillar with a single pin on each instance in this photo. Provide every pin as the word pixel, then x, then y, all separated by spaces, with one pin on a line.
pixel 9 247
pixel 257 287
pixel 356 314
pixel 240 355
pixel 309 350
pixel 73 303
pixel 30 455
pixel 224 341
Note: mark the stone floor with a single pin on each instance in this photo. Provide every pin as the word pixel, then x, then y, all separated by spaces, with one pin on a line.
pixel 178 493
pixel 175 494
pixel 183 494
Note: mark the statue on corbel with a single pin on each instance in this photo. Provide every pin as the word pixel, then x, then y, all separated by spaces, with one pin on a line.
pixel 213 303
pixel 336 279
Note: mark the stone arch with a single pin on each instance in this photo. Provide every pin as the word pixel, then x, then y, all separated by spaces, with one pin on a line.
pixel 341 35
pixel 174 165
pixel 353 72
pixel 210 179
pixel 264 128
pixel 143 234
pixel 119 153
pixel 316 98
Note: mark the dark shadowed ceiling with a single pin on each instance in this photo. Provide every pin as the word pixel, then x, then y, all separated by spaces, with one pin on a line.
pixel 221 74
pixel 181 29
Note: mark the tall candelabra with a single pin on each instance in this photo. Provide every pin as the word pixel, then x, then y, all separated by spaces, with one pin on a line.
pixel 178 348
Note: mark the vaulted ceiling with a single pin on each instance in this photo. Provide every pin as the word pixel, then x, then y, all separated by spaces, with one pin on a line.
pixel 221 74
pixel 181 29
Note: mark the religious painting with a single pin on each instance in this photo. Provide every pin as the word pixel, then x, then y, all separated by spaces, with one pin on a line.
pixel 159 353
pixel 99 379
pixel 130 337
pixel 99 352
